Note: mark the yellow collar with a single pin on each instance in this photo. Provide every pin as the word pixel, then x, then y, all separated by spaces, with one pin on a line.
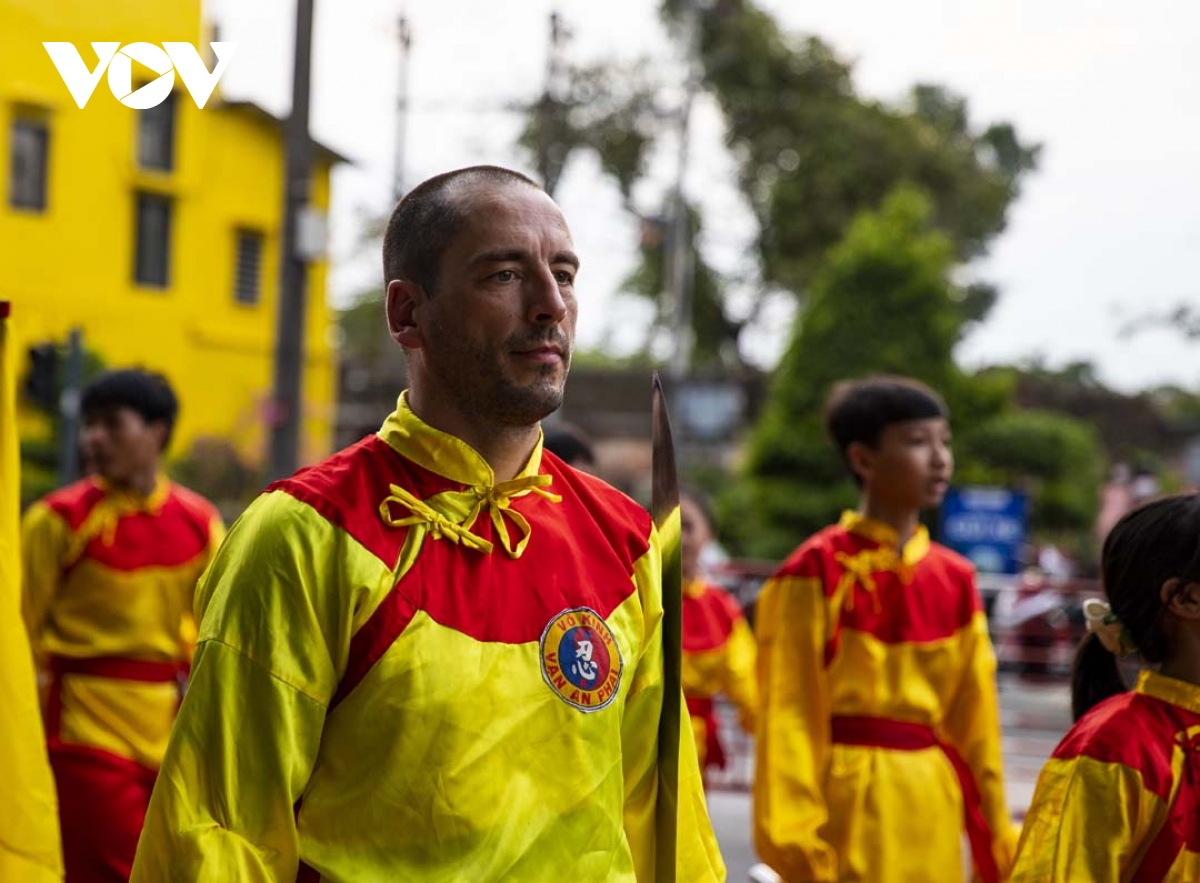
pixel 442 453
pixel 151 502
pixel 695 588
pixel 451 514
pixel 914 550
pixel 1171 690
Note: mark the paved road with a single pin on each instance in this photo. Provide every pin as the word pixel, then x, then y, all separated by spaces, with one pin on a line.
pixel 1033 716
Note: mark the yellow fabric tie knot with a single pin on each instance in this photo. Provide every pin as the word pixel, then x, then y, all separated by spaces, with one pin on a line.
pixel 498 499
pixel 452 514
pixel 424 515
pixel 861 569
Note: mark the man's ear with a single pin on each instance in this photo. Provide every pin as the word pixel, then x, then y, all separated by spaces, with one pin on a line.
pixel 402 301
pixel 1181 599
pixel 159 428
pixel 861 459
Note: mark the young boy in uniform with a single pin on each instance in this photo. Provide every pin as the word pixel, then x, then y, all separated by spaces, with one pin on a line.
pixel 110 564
pixel 879 740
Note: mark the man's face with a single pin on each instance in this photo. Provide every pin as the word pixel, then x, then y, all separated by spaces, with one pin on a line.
pixel 120 445
pixel 496 337
pixel 695 534
pixel 911 466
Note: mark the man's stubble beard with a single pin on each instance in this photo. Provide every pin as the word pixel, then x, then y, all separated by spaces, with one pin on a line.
pixel 486 388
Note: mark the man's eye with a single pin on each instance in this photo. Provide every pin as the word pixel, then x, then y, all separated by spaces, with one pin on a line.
pixel 504 276
pixel 564 277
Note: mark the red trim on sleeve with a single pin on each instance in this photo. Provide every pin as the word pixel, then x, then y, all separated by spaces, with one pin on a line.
pixel 370 642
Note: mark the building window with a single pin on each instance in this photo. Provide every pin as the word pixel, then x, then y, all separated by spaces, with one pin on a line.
pixel 152 258
pixel 156 136
pixel 27 174
pixel 247 283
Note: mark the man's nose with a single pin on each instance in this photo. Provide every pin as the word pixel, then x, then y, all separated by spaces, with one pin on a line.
pixel 547 305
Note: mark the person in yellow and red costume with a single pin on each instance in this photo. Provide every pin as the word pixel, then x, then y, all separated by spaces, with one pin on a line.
pixel 438 654
pixel 718 648
pixel 110 565
pixel 879 737
pixel 1119 799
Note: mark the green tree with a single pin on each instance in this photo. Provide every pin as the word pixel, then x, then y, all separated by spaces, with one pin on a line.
pixel 1054 458
pixel 882 303
pixel 813 154
pixel 41 446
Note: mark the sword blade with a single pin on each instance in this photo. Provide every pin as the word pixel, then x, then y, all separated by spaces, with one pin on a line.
pixel 664 507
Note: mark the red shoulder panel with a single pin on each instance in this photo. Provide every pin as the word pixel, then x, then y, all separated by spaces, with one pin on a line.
pixel 581 552
pixel 173 536
pixel 708 620
pixel 1132 729
pixel 347 489
pixel 75 501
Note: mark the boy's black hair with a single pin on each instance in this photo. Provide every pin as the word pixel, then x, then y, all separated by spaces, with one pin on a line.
pixel 569 443
pixel 860 410
pixel 146 392
pixel 1150 545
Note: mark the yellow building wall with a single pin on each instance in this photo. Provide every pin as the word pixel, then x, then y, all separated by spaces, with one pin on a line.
pixel 73 264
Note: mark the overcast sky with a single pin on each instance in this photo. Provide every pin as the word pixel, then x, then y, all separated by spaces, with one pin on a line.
pixel 1108 229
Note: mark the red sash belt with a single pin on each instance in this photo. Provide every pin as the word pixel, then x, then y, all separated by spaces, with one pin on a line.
pixel 117 668
pixel 879 732
pixel 704 708
pixel 114 667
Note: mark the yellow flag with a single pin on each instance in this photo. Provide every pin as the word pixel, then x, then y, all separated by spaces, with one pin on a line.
pixel 29 841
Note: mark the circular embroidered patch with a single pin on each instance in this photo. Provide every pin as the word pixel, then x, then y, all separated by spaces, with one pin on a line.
pixel 581 661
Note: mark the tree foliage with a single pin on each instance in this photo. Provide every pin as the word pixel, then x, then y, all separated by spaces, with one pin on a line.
pixel 811 153
pixel 883 302
pixel 41 441
pixel 1056 459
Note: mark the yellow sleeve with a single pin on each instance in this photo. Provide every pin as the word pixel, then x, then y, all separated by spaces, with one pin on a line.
pixel 271 627
pixel 792 742
pixel 739 681
pixel 698 856
pixel 1089 820
pixel 45 538
pixel 972 725
pixel 188 629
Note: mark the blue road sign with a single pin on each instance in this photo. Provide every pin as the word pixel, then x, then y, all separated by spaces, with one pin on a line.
pixel 987 525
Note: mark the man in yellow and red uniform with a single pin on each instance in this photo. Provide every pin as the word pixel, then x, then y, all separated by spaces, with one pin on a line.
pixel 718 647
pixel 438 654
pixel 111 563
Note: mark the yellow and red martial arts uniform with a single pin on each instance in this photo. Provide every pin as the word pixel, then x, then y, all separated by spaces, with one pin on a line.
pixel 407 671
pixel 30 850
pixel 1119 800
pixel 718 657
pixel 879 738
pixel 109 579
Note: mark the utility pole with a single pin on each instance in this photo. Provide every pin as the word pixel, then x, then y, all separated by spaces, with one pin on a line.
pixel 68 454
pixel 682 263
pixel 552 154
pixel 289 327
pixel 398 189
